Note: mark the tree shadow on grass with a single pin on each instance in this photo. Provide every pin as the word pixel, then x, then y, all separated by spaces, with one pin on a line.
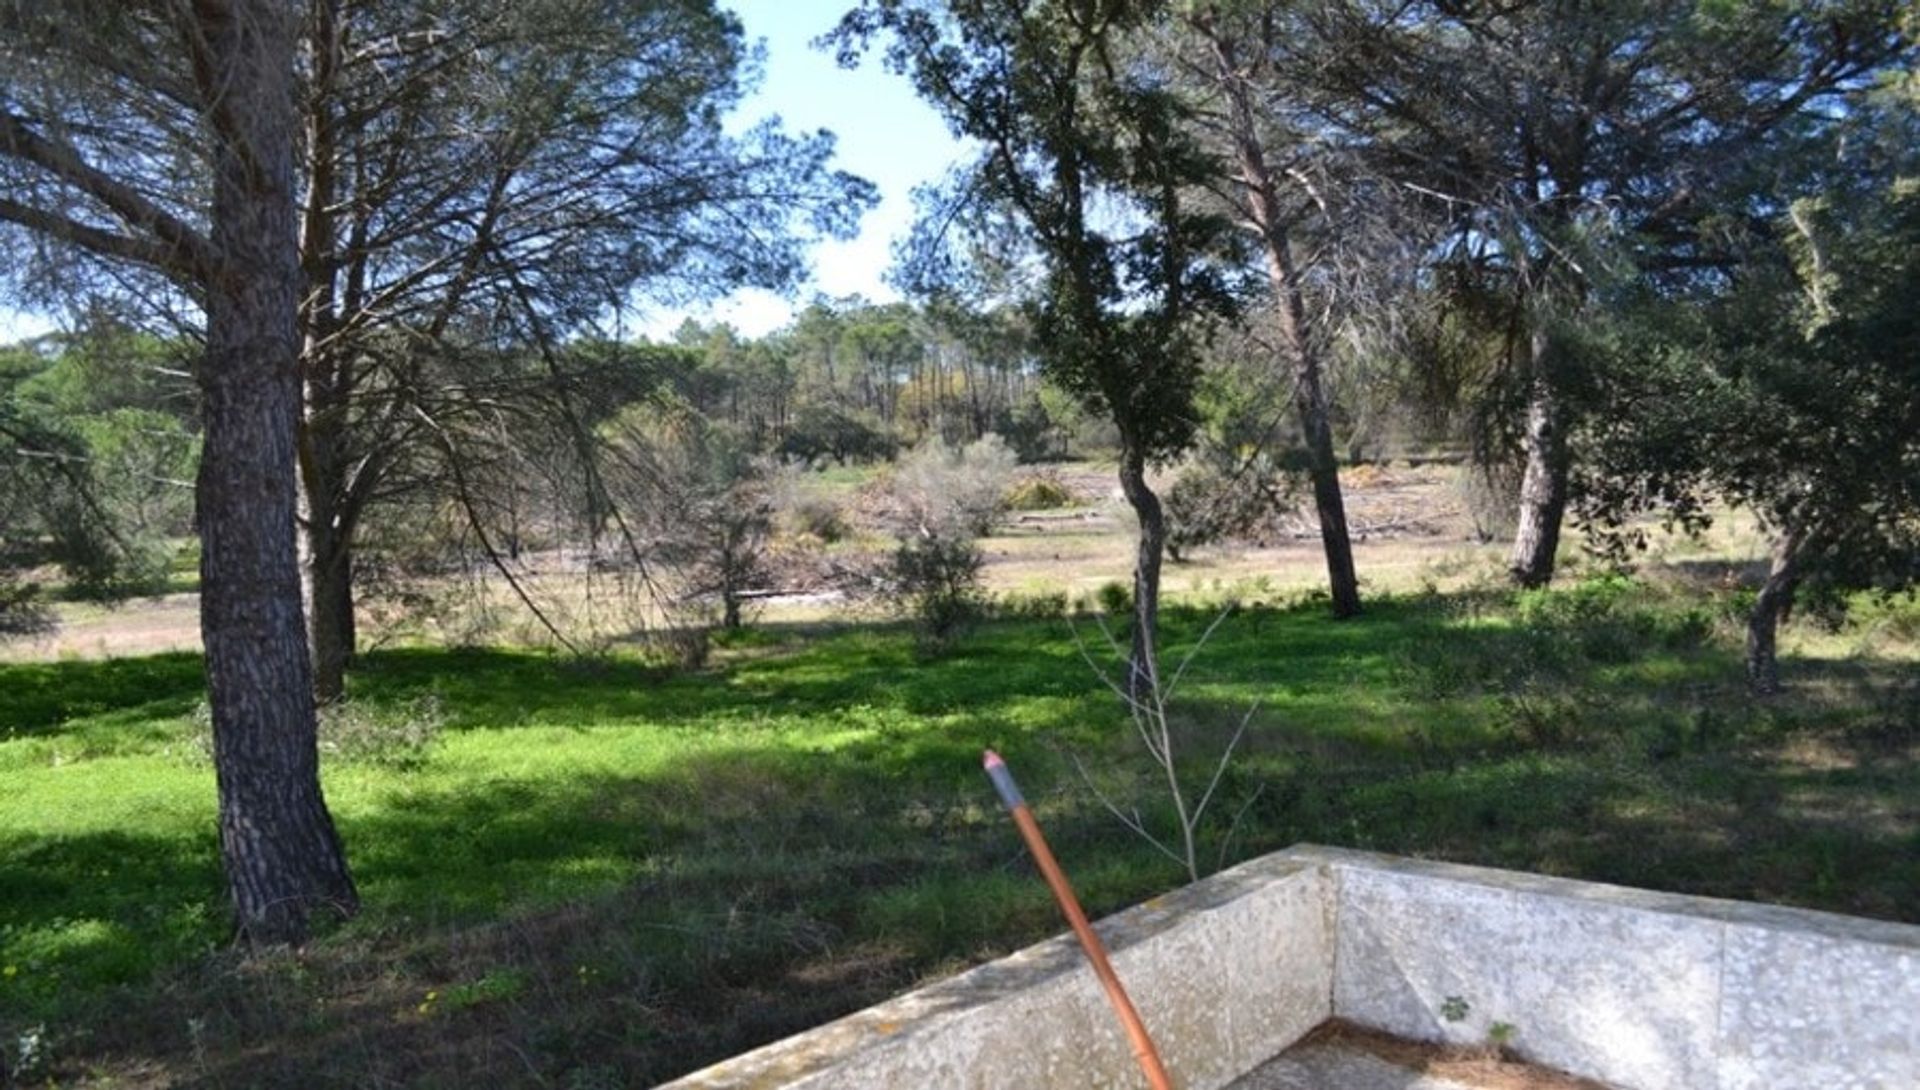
pixel 642 924
pixel 45 699
pixel 1005 662
pixel 87 911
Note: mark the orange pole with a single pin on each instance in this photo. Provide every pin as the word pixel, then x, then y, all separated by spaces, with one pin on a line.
pixel 1143 1050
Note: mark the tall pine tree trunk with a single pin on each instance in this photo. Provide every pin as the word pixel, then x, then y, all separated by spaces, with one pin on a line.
pixel 1544 484
pixel 327 547
pixel 282 857
pixel 1770 607
pixel 1143 670
pixel 1309 386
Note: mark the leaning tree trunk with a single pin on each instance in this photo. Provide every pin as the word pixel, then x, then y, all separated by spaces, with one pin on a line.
pixel 1310 397
pixel 1543 487
pixel 1770 607
pixel 283 858
pixel 1143 670
pixel 1309 388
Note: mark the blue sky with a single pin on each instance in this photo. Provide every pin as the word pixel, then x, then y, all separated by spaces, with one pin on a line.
pixel 887 135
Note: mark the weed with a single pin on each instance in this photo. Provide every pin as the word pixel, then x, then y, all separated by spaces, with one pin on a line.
pixel 399 736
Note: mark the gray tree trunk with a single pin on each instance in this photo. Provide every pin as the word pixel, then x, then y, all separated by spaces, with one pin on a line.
pixel 1143 669
pixel 1770 607
pixel 1543 487
pixel 282 856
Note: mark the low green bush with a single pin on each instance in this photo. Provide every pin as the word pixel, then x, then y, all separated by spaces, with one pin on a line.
pixel 1038 493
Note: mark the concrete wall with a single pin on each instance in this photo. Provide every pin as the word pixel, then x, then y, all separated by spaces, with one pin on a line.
pixel 1225 973
pixel 1647 991
pixel 1641 990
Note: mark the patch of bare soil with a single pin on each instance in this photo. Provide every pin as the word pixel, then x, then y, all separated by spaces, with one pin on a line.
pixel 1485 1068
pixel 142 627
pixel 1401 517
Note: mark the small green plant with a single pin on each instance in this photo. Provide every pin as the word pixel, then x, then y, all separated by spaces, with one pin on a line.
pixel 1455 1008
pixel 1147 705
pixel 1114 598
pixel 492 986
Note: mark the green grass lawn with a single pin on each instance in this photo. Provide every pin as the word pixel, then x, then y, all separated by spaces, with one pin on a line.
pixel 601 873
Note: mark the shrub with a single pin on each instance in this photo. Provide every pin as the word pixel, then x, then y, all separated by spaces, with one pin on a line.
pixel 1038 606
pixel 937 581
pixel 680 646
pixel 22 612
pixel 1031 430
pixel 1038 493
pixel 1208 504
pixel 938 491
pixel 396 736
pixel 808 511
pixel 1612 618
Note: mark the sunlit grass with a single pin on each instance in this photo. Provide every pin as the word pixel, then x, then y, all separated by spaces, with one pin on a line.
pixel 600 862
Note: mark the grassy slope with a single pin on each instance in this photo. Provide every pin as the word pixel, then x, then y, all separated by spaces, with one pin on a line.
pixel 601 875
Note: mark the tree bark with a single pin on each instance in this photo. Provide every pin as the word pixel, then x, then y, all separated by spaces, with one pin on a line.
pixel 1310 398
pixel 327 556
pixel 1770 607
pixel 1543 486
pixel 1309 389
pixel 330 623
pixel 282 856
pixel 1143 670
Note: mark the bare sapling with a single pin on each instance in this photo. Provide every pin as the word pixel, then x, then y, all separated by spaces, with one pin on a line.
pixel 1148 711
